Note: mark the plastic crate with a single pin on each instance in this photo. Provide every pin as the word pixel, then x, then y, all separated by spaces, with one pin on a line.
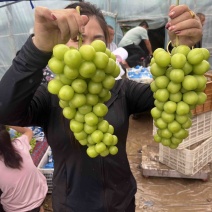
pixel 201 129
pixel 47 172
pixel 187 161
pixel 207 106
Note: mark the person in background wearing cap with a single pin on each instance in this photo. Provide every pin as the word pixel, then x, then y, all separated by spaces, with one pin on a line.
pixel 131 41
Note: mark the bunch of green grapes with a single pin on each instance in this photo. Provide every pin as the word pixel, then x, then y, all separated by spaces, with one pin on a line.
pixel 178 87
pixel 32 144
pixel 84 78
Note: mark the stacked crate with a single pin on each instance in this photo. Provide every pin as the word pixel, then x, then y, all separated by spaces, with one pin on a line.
pixel 207 106
pixel 196 150
pixel 47 172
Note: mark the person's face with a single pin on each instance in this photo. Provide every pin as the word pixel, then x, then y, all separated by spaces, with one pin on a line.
pixel 92 32
pixel 111 34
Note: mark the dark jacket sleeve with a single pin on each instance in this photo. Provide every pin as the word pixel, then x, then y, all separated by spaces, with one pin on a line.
pixel 20 104
pixel 139 96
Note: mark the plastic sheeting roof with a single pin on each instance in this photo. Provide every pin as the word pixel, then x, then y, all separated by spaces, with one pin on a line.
pixel 16 19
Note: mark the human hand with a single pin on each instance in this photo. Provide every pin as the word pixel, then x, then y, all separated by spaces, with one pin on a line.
pixel 188 29
pixel 53 27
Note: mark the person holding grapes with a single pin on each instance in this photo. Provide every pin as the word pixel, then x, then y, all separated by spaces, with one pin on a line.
pixel 81 183
pixel 22 186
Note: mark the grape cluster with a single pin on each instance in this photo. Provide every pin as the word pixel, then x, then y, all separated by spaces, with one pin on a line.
pixel 84 78
pixel 32 144
pixel 178 87
pixel 32 141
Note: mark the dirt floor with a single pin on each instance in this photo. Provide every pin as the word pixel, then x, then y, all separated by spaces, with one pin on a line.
pixel 164 193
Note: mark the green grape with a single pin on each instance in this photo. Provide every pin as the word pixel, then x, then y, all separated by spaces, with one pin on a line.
pixel 178 86
pixel 83 80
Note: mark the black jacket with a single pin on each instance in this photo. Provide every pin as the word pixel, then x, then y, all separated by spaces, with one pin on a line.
pixel 80 183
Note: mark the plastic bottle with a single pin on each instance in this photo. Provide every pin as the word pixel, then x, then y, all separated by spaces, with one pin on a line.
pixel 50 156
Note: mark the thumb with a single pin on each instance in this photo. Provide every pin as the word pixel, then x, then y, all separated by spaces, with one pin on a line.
pixel 85 19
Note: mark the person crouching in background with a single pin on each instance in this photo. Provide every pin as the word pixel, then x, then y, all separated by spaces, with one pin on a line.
pixel 22 186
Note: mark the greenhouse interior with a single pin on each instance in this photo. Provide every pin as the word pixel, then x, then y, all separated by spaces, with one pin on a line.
pixel 168 180
pixel 17 17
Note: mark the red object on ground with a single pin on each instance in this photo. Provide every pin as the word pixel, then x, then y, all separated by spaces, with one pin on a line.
pixel 39 150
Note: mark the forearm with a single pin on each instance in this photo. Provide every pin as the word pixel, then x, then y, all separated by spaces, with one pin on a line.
pixel 20 129
pixel 149 47
pixel 140 96
pixel 24 130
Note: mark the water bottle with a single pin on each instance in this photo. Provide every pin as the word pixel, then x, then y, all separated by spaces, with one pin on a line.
pixel 50 156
